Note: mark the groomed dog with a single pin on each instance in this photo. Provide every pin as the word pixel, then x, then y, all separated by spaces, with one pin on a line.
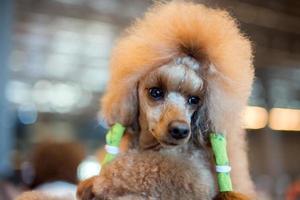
pixel 180 72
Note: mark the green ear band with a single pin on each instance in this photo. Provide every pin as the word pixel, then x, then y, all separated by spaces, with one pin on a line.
pixel 113 140
pixel 218 143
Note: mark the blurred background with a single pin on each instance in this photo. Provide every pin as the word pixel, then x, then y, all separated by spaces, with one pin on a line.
pixel 54 57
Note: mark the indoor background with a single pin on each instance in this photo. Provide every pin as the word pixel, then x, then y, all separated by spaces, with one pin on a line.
pixel 54 57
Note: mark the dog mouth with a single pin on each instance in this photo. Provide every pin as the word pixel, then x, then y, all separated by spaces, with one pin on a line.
pixel 168 143
pixel 161 144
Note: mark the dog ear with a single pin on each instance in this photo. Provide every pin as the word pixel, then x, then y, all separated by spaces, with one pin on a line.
pixel 200 125
pixel 121 106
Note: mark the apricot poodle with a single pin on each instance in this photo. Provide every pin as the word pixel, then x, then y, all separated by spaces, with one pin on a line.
pixel 179 73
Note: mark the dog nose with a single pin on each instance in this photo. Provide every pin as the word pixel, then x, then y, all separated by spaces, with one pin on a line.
pixel 178 130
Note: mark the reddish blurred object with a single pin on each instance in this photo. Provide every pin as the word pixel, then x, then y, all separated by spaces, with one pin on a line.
pixel 293 191
pixel 52 161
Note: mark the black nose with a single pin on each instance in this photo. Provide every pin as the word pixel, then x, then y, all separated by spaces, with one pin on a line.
pixel 178 129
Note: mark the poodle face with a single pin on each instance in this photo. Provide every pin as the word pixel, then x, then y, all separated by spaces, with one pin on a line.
pixel 168 98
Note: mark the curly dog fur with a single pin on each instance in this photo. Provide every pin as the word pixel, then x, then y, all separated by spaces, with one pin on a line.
pixel 148 175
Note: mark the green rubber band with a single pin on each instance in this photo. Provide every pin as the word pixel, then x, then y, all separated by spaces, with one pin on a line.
pixel 218 143
pixel 113 138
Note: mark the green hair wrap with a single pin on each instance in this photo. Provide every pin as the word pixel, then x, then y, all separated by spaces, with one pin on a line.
pixel 113 139
pixel 218 143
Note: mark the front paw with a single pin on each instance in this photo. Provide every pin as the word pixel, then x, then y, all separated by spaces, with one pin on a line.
pixel 104 189
pixel 85 189
pixel 98 188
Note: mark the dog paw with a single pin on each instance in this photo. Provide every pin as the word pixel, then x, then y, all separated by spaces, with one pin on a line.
pixel 103 188
pixel 85 189
pixel 98 188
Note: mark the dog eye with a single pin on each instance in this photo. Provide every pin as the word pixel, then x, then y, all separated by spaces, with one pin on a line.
pixel 156 93
pixel 193 100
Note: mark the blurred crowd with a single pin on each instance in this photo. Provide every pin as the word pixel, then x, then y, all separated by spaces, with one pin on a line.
pixel 52 167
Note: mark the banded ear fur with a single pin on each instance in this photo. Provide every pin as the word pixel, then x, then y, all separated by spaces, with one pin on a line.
pixel 124 110
pixel 201 126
